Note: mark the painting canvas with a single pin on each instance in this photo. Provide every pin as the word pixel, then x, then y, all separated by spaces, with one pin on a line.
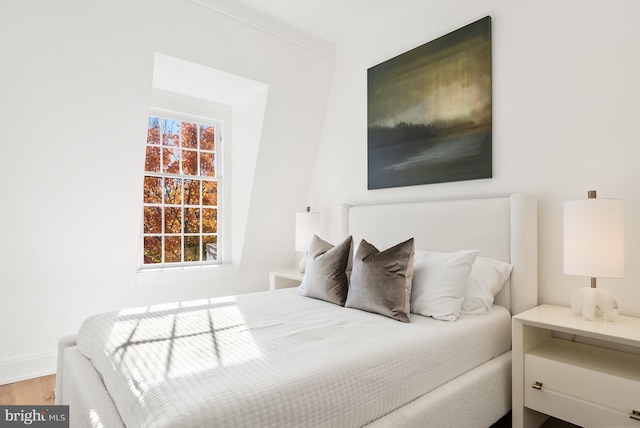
pixel 429 112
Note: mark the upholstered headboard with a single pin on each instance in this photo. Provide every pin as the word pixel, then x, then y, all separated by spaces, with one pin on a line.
pixel 504 228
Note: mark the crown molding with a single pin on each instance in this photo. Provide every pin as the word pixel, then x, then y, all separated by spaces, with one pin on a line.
pixel 258 19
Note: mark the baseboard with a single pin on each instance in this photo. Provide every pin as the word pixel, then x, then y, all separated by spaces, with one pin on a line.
pixel 27 367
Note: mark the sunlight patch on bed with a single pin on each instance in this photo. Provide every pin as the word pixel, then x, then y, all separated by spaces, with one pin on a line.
pixel 161 342
pixel 95 419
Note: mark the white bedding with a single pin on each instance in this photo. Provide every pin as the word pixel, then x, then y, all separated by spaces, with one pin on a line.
pixel 277 359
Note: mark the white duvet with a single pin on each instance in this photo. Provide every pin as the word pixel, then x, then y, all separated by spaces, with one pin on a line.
pixel 277 359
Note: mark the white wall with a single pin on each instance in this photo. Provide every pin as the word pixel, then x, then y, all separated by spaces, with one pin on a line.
pixel 565 97
pixel 75 85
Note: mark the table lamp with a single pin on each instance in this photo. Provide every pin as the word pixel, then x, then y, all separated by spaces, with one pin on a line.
pixel 307 224
pixel 594 246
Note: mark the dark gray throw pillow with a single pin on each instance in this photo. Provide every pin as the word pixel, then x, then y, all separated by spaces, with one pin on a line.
pixel 381 280
pixel 325 276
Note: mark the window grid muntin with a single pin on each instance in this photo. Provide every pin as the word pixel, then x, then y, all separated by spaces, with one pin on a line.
pixel 200 178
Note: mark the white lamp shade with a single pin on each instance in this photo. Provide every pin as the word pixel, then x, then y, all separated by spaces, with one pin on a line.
pixel 594 238
pixel 307 224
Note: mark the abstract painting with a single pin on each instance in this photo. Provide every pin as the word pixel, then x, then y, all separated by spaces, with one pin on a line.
pixel 430 112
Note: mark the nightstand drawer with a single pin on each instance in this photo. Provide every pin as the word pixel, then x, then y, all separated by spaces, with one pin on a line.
pixel 573 377
pixel 576 411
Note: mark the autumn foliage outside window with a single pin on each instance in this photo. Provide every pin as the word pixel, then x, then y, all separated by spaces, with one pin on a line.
pixel 180 193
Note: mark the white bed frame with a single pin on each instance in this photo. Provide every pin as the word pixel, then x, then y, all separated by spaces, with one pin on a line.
pixel 504 228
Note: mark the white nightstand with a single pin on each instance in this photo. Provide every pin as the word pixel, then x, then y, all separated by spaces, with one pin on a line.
pixel 285 278
pixel 591 385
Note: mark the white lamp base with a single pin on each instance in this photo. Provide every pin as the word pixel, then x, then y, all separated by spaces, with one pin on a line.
pixel 303 263
pixel 594 302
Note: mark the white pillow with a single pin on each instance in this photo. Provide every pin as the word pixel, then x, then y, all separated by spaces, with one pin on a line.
pixel 438 283
pixel 486 279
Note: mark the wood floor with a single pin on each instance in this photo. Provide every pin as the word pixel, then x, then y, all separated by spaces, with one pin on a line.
pixel 37 392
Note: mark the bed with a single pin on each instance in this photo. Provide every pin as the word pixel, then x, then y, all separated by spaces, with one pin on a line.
pixel 283 359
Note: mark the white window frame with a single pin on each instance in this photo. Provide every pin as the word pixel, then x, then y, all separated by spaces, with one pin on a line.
pixel 219 124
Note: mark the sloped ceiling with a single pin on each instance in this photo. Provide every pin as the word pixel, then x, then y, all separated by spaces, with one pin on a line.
pixel 321 24
pixel 331 20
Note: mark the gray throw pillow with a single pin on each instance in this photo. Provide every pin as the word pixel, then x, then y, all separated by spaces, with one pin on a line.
pixel 325 276
pixel 381 280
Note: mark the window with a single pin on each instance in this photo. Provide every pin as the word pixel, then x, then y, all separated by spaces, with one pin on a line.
pixel 181 203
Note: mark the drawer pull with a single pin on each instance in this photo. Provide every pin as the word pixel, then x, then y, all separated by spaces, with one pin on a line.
pixel 538 385
pixel 635 414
